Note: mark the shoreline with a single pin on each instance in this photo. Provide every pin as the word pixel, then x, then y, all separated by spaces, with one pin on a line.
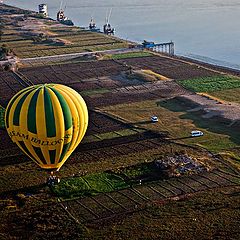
pixel 218 67
pixel 227 70
pixel 182 50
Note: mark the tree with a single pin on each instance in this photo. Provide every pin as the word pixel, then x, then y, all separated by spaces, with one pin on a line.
pixel 1 30
pixel 4 51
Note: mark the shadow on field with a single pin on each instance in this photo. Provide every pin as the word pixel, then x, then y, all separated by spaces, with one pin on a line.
pixel 215 124
pixel 141 122
pixel 182 138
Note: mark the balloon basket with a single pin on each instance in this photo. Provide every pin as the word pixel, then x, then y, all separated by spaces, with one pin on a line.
pixel 53 179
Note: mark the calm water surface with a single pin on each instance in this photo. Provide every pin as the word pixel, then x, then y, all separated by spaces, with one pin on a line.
pixel 204 29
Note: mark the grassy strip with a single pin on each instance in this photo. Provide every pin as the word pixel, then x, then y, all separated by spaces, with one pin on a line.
pixel 94 92
pixel 210 96
pixel 2 113
pixel 129 55
pixel 110 135
pixel 230 95
pixel 210 84
pixel 156 75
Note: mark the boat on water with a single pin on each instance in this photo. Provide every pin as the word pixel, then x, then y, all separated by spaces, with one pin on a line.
pixel 107 28
pixel 92 26
pixel 62 18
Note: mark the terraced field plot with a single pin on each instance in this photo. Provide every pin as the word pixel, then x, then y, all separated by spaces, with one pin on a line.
pixel 109 205
pixel 136 93
pixel 83 77
pixel 60 39
pixel 169 67
pixel 75 74
pixel 9 87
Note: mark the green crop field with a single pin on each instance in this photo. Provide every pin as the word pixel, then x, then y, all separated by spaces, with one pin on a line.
pixel 89 185
pixel 211 84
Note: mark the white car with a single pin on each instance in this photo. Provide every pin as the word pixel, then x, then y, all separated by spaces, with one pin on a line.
pixel 196 133
pixel 154 119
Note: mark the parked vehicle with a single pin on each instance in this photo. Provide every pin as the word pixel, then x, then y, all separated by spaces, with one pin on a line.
pixel 154 119
pixel 196 133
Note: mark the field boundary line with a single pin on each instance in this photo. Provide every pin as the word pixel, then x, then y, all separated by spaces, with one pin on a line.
pixel 108 209
pixel 65 209
pixel 115 201
pixel 88 209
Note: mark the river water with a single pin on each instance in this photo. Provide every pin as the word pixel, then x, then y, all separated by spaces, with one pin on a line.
pixel 207 30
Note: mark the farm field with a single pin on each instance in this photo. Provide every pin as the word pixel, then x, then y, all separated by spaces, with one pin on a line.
pixel 129 55
pixel 230 95
pixel 137 196
pixel 211 84
pixel 129 178
pixel 178 123
pixel 100 181
pixel 171 68
pixel 20 33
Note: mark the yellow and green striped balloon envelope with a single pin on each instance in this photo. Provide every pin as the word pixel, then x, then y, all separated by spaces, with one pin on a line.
pixel 47 122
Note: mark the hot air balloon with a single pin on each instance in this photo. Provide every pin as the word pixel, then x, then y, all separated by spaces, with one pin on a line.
pixel 47 122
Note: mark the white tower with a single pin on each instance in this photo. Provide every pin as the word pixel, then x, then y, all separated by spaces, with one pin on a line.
pixel 43 9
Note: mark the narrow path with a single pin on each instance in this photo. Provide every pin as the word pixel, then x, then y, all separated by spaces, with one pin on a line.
pixel 68 56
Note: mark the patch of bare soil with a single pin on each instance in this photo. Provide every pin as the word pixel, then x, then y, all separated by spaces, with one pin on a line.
pixel 64 41
pixel 212 107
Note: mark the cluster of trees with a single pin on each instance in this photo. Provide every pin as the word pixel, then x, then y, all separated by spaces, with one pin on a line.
pixel 1 30
pixel 42 38
pixel 5 51
pixel 39 38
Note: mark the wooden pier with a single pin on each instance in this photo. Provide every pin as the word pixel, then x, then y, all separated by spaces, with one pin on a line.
pixel 164 48
pixel 167 48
